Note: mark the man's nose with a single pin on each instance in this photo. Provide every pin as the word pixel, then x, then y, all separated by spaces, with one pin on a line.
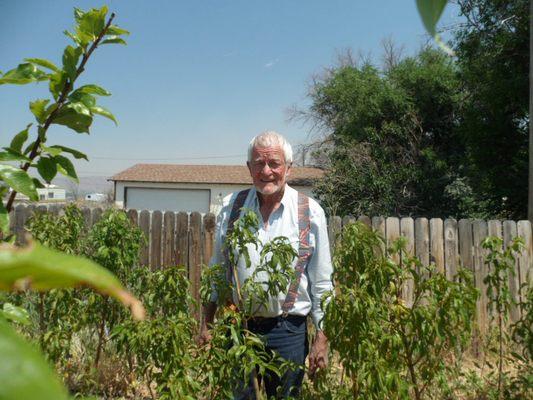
pixel 266 169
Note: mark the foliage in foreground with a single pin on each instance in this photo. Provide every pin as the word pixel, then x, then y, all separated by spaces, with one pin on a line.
pixel 389 348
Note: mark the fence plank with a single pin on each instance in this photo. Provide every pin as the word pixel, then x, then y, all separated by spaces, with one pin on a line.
pixel 392 231
pixel 96 214
pixel 422 240
pixel 133 216
pixel 334 230
pixel 348 219
pixel 169 226
pixel 208 237
pixel 495 228
pixel 86 212
pixel 436 245
pixel 480 231
pixel 195 259
pixel 144 224
pixel 465 244
pixel 181 245
pixel 19 220
pixel 525 259
pixel 155 245
pixel 451 248
pixel 509 233
pixel 378 224
pixel 407 230
pixel 365 220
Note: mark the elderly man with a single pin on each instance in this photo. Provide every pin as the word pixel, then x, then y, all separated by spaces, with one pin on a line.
pixel 283 212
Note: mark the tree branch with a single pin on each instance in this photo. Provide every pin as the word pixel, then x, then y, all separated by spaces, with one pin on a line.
pixel 41 138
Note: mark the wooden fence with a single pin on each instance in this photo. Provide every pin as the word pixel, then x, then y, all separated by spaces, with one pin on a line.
pixel 187 239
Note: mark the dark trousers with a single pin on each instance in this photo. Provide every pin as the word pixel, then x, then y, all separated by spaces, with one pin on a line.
pixel 288 338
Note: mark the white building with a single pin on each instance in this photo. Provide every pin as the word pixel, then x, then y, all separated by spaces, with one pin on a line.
pixel 168 187
pixel 98 197
pixel 50 193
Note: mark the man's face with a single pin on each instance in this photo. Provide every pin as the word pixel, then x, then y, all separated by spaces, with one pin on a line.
pixel 268 169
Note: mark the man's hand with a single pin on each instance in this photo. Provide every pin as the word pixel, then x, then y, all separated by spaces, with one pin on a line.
pixel 318 356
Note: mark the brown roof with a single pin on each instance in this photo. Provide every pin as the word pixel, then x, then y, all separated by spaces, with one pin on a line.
pixel 229 174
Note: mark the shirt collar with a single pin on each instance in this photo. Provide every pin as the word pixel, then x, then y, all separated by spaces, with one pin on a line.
pixel 284 200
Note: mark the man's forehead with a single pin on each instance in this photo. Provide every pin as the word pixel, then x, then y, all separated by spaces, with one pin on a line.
pixel 270 152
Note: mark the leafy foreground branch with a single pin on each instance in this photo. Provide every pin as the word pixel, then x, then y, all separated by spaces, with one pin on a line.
pixel 24 374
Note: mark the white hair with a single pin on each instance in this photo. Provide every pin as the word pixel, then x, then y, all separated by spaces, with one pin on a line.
pixel 269 139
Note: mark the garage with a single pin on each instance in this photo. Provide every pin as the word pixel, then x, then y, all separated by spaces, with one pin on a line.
pixel 143 198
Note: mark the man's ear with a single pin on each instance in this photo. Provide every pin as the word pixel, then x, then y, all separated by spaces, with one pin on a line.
pixel 289 170
pixel 249 168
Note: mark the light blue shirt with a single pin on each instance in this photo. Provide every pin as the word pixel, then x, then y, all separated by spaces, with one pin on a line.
pixel 316 279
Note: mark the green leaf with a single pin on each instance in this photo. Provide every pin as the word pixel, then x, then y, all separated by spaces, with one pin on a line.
pixel 24 373
pixel 115 30
pixel 47 168
pixel 57 83
pixel 28 148
pixel 92 89
pixel 71 55
pixel 38 108
pixel 74 38
pixel 19 139
pixel 4 219
pixel 430 11
pixel 23 74
pixel 37 183
pixel 65 166
pixel 15 314
pixel 43 63
pixel 12 155
pixel 104 112
pixel 76 116
pixel 77 154
pixel 114 39
pixel 19 180
pixel 40 268
pixel 53 151
pixel 90 23
pixel 86 99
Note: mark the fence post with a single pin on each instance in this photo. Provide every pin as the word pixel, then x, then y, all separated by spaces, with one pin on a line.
pixel 168 238
pixel 181 244
pixel 195 260
pixel 480 232
pixel 451 248
pixel 436 246
pixel 525 259
pixel 509 233
pixel 144 224
pixel 155 248
pixel 407 230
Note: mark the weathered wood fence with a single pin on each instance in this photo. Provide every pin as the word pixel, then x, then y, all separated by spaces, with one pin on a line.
pixel 187 239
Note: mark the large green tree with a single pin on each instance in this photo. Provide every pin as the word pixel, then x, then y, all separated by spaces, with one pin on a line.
pixel 393 134
pixel 433 135
pixel 492 49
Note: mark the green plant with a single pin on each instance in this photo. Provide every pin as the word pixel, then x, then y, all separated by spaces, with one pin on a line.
pixel 390 349
pixel 38 267
pixel 501 263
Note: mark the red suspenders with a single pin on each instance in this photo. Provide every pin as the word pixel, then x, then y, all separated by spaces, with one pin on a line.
pixel 304 250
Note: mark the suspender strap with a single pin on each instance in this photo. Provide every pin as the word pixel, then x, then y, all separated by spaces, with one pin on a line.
pixel 304 252
pixel 234 216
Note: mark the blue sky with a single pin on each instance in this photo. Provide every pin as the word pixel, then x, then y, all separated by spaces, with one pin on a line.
pixel 198 79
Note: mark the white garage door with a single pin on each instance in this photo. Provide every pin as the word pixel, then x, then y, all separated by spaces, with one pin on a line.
pixel 168 199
